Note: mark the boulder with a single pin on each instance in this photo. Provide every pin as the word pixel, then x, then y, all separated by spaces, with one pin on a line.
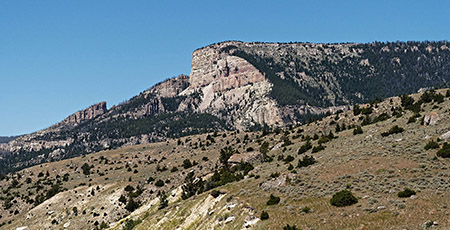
pixel 431 119
pixel 445 136
pixel 248 157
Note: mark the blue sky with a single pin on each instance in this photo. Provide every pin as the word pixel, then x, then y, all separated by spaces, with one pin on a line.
pixel 57 57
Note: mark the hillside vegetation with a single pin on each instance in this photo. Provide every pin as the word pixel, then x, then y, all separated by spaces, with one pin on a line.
pixel 382 165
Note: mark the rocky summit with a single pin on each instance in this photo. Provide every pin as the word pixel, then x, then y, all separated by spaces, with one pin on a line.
pixel 242 86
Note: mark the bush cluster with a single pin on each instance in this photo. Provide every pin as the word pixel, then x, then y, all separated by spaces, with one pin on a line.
pixel 273 200
pixel 306 161
pixel 406 193
pixel 343 198
pixel 444 152
pixel 393 130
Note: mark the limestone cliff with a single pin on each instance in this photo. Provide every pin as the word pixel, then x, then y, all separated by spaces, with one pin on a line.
pixel 86 114
pixel 231 88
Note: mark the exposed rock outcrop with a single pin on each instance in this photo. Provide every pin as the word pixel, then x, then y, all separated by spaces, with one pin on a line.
pixel 212 66
pixel 249 157
pixel 231 88
pixel 86 114
pixel 170 87
pixel 431 119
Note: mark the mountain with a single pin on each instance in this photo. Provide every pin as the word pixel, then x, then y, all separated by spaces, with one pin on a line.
pixel 381 165
pixel 7 139
pixel 242 86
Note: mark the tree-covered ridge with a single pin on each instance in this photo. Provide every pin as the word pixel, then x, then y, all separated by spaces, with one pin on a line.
pixel 116 132
pixel 338 74
pixel 7 139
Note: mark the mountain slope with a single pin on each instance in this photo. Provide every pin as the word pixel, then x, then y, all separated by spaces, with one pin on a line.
pixel 7 139
pixel 374 165
pixel 245 86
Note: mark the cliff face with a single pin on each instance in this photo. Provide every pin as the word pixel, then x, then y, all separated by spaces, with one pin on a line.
pixel 210 66
pixel 170 87
pixel 86 114
pixel 236 87
pixel 231 88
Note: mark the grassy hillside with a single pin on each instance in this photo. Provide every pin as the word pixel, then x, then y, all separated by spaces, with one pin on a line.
pixel 375 151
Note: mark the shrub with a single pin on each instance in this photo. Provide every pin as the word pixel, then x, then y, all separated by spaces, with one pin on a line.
pixel 366 111
pixel 286 141
pixel 407 101
pixel 431 145
pixel 53 191
pixel 264 149
pixel 394 130
pixel 66 177
pixel 130 224
pixel 357 130
pixel 174 169
pixel 275 174
pixel 131 205
pixel 323 140
pixel 103 225
pixel 159 169
pixel 273 200
pixel 318 148
pixel 159 183
pixel 305 147
pixel 264 215
pixel 187 164
pixel 191 186
pixel 246 167
pixel 225 154
pixel 306 161
pixel 75 211
pixel 290 167
pixel 129 188
pixel 122 199
pixel 86 169
pixel 343 198
pixel 288 227
pixel 356 110
pixel 306 209
pixel 288 159
pixel 215 193
pixel 150 179
pixel 444 151
pixel 163 202
pixel 383 117
pixel 367 121
pixel 411 120
pixel 406 193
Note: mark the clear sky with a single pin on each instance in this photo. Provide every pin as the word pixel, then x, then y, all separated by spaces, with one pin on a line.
pixel 60 56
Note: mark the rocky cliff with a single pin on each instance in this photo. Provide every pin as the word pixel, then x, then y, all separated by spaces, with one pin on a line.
pixel 232 88
pixel 239 85
pixel 85 114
